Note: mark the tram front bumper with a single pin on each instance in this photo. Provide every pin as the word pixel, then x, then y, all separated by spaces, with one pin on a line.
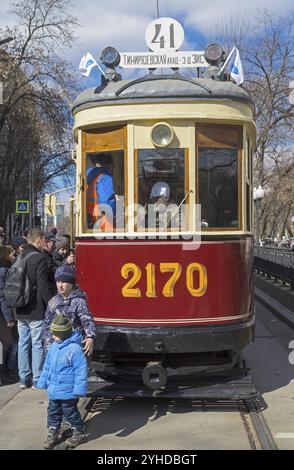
pixel 182 339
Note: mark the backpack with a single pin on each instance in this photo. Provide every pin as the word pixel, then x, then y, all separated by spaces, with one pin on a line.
pixel 18 289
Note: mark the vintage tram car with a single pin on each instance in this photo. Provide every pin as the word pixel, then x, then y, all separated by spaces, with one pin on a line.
pixel 160 298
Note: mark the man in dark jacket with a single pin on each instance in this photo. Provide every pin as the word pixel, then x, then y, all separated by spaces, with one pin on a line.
pixel 49 248
pixel 31 317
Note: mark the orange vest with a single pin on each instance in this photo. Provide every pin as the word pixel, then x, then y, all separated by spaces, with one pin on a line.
pixel 101 221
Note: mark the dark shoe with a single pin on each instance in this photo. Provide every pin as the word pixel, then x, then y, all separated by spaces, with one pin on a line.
pixel 52 438
pixel 77 438
pixel 65 430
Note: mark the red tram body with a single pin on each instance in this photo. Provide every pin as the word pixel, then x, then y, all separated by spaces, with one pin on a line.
pixel 158 295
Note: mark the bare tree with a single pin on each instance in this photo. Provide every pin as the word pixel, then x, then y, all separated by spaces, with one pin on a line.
pixel 267 50
pixel 34 117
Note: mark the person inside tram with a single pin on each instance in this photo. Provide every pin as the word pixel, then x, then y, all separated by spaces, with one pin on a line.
pixel 160 210
pixel 226 197
pixel 100 193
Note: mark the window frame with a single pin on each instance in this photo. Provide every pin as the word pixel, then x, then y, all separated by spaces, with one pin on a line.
pixel 187 228
pixel 248 183
pixel 221 143
pixel 119 143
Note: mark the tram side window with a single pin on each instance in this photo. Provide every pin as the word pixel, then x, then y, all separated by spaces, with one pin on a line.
pixel 218 187
pixel 161 189
pixel 105 190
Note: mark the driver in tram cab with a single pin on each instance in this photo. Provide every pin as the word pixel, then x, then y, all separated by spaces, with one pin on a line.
pixel 160 211
pixel 100 193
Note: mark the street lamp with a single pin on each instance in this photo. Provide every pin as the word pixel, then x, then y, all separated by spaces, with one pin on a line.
pixel 258 194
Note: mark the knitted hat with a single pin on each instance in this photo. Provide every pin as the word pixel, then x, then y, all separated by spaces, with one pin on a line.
pixel 50 237
pixel 65 274
pixel 61 326
pixel 62 242
pixel 18 241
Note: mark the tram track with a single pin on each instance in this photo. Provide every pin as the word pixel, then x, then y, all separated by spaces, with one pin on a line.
pixel 257 430
pixel 234 393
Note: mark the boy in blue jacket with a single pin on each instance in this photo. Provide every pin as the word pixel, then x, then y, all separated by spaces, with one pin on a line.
pixel 65 376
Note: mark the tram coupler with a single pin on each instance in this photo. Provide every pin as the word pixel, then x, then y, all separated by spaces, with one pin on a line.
pixel 154 376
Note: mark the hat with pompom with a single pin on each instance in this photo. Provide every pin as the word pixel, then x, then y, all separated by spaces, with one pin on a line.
pixel 61 326
pixel 65 274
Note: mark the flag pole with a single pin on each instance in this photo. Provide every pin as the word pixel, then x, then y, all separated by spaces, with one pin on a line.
pixel 157 7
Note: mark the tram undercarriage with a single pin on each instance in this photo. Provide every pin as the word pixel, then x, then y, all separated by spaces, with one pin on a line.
pixel 153 355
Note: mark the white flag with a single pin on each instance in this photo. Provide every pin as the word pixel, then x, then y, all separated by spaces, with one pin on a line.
pixel 233 66
pixel 87 63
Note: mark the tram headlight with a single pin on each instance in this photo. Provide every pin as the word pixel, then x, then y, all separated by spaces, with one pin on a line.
pixel 214 54
pixel 110 56
pixel 162 134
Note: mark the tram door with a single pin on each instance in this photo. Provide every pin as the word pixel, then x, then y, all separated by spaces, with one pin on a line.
pixel 104 168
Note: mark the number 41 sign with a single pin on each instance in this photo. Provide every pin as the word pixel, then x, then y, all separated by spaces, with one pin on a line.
pixel 164 37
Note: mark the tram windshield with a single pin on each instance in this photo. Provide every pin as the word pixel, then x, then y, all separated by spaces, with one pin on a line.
pixel 161 189
pixel 218 186
pixel 219 180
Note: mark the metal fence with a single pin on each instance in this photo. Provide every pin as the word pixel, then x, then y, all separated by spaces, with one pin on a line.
pixel 275 262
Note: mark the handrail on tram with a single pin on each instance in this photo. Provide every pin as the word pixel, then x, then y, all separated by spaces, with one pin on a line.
pixel 148 78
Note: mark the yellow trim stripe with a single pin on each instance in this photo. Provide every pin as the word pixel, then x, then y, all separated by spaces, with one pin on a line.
pixel 198 244
pixel 170 321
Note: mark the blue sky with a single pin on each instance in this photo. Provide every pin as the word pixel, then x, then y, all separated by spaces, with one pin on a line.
pixel 122 24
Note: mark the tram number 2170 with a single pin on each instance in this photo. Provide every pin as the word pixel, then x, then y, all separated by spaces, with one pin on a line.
pixel 133 273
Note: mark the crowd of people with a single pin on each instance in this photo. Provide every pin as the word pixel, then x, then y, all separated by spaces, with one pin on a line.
pixel 47 333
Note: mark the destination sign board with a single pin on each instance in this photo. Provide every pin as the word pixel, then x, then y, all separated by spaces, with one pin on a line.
pixel 162 59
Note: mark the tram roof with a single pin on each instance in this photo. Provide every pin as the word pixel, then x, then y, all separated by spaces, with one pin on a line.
pixel 160 87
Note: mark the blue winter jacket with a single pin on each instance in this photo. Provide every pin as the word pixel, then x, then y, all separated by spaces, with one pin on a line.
pixel 104 186
pixel 65 370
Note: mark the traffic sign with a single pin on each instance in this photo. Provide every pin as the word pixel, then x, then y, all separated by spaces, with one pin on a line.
pixel 22 207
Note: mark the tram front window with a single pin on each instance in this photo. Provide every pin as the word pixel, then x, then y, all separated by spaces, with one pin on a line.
pixel 218 187
pixel 105 190
pixel 161 189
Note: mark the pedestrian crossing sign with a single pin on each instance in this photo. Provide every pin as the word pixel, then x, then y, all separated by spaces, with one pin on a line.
pixel 22 207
